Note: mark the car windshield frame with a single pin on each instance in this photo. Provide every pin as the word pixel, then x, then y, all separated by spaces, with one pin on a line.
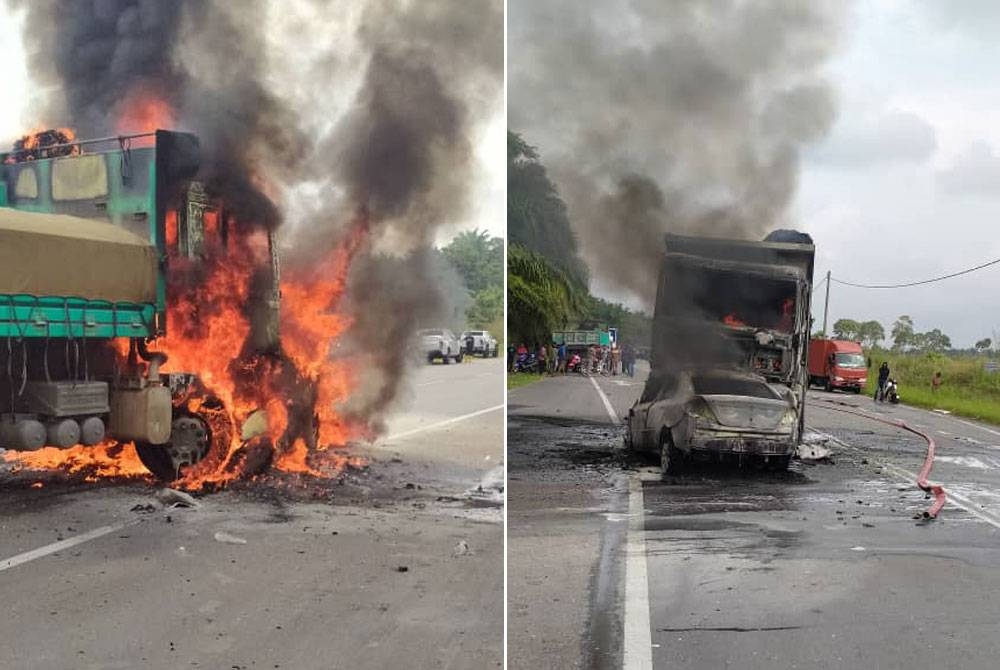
pixel 736 386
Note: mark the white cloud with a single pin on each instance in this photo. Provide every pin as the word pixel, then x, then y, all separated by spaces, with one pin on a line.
pixel 976 172
pixel 895 137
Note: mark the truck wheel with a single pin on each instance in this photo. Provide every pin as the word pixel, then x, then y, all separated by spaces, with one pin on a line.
pixel 459 358
pixel 829 385
pixel 190 440
pixel 445 360
pixel 671 458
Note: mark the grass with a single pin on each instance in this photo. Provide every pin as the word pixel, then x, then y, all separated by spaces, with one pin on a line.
pixel 966 389
pixel 519 379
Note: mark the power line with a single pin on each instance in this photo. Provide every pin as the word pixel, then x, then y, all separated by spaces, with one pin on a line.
pixel 917 283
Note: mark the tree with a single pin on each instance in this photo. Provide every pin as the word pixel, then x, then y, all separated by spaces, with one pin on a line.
pixel 536 214
pixel 846 329
pixel 540 296
pixel 486 310
pixel 478 257
pixel 902 333
pixel 871 333
pixel 935 341
pixel 983 345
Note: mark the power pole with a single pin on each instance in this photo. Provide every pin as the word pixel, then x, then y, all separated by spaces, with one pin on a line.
pixel 826 304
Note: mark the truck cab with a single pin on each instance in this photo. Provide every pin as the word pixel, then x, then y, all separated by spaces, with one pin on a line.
pixel 837 364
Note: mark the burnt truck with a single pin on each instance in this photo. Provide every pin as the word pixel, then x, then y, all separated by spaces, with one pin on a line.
pixel 729 357
pixel 91 233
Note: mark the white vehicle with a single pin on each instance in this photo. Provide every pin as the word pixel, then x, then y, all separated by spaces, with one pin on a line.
pixel 714 414
pixel 441 343
pixel 483 343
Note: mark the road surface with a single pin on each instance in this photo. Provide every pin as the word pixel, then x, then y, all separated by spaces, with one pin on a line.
pixel 821 567
pixel 399 568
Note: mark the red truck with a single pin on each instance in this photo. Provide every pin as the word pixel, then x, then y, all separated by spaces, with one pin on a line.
pixel 837 364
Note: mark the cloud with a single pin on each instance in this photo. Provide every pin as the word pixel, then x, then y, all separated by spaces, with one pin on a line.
pixel 895 137
pixel 975 172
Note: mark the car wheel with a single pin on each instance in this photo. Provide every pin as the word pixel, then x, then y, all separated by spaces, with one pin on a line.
pixel 671 458
pixel 445 357
pixel 778 463
pixel 458 359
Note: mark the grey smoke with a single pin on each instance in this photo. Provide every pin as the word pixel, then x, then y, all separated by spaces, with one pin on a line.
pixel 665 116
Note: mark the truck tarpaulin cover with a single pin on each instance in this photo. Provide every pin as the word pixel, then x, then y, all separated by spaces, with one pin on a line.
pixel 57 255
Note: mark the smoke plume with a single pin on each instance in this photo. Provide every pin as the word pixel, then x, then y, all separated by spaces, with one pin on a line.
pixel 684 117
pixel 390 170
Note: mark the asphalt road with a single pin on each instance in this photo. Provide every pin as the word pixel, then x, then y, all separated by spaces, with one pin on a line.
pixel 396 567
pixel 821 567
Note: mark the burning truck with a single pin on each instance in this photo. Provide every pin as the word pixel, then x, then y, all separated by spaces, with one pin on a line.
pixel 139 320
pixel 729 353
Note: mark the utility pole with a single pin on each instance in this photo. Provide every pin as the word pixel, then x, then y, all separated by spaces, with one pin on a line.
pixel 826 305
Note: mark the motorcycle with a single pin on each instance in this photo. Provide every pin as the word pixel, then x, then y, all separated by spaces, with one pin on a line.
pixel 526 363
pixel 889 392
pixel 575 364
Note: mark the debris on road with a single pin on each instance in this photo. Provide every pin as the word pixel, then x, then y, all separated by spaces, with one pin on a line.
pixel 226 538
pixel 461 549
pixel 490 488
pixel 175 498
pixel 813 452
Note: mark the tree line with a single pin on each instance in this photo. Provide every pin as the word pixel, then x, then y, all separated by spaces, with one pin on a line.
pixel 547 280
pixel 904 336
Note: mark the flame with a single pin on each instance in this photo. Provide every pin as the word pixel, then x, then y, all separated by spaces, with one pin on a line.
pixel 731 320
pixel 43 143
pixel 108 459
pixel 144 111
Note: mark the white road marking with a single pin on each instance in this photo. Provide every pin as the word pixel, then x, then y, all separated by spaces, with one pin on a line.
pixel 959 501
pixel 638 639
pixel 604 399
pixel 48 549
pixel 441 424
pixel 976 425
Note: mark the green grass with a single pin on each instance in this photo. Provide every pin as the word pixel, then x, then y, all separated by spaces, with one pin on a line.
pixel 966 389
pixel 519 379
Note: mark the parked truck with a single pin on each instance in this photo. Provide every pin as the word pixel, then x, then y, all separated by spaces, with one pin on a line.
pixel 837 364
pixel 729 352
pixel 84 261
pixel 579 340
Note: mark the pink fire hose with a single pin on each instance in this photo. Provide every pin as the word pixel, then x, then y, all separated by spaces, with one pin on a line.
pixel 932 489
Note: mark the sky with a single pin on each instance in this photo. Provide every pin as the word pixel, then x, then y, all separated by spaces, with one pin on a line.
pixel 907 184
pixel 487 201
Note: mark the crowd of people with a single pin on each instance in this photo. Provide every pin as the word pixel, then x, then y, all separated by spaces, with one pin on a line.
pixel 553 358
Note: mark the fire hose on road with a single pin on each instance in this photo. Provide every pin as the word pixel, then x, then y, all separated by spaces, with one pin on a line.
pixel 931 489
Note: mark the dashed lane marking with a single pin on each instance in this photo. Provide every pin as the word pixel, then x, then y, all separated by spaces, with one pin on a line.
pixel 49 549
pixel 604 399
pixel 441 424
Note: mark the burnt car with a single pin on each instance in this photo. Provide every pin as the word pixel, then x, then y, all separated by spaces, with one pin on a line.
pixel 714 415
pixel 440 343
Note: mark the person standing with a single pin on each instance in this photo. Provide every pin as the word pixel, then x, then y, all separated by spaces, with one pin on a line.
pixel 936 382
pixel 550 357
pixel 883 377
pixel 511 355
pixel 616 360
pixel 561 358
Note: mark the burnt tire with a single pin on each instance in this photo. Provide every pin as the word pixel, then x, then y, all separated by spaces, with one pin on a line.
pixel 156 459
pixel 671 458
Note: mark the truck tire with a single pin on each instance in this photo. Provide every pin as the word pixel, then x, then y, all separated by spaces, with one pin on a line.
pixel 460 357
pixel 446 357
pixel 829 385
pixel 156 459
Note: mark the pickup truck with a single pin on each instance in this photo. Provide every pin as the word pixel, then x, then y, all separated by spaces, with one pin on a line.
pixel 440 343
pixel 483 344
